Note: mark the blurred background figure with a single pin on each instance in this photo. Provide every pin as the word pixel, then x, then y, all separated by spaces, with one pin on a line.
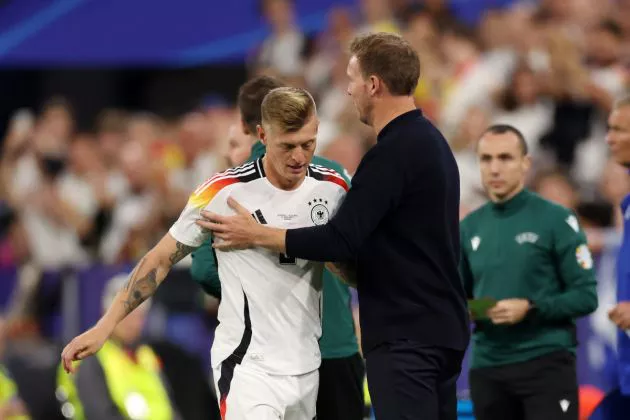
pixel 124 380
pixel 94 135
pixel 11 405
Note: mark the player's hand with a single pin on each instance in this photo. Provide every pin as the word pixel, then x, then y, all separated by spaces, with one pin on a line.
pixel 620 315
pixel 83 346
pixel 509 311
pixel 235 232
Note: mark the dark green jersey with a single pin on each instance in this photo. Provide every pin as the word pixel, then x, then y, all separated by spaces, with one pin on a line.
pixel 338 334
pixel 528 248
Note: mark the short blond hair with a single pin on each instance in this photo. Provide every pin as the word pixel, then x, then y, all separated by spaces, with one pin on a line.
pixel 287 108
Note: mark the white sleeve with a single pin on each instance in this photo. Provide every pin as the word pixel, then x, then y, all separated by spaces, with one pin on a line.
pixel 185 230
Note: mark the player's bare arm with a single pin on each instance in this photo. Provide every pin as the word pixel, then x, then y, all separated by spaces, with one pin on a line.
pixel 241 231
pixel 142 284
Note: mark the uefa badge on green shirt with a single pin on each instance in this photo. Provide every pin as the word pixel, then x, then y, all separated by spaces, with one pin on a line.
pixel 583 256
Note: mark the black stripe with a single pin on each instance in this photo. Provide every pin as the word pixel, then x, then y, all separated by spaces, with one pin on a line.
pixel 260 217
pixel 315 174
pixel 237 356
pixel 249 177
pixel 260 167
pixel 238 169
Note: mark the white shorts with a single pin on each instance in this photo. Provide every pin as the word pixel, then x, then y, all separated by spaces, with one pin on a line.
pixel 246 393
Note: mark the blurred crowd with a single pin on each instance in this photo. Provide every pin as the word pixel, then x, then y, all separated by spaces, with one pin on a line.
pixel 552 69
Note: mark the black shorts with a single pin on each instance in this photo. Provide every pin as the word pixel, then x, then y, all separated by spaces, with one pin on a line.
pixel 340 395
pixel 542 388
pixel 410 381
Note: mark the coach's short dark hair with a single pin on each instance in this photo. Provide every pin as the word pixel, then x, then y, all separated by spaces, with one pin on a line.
pixel 250 98
pixel 389 57
pixel 506 128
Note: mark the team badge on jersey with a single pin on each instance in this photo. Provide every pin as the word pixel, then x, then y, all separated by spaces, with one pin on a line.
pixel 319 211
pixel 475 241
pixel 583 256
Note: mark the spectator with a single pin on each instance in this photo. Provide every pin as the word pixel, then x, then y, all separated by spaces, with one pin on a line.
pixel 136 214
pixel 283 50
pixel 521 105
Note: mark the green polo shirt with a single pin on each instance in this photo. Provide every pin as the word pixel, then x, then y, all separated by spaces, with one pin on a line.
pixel 527 248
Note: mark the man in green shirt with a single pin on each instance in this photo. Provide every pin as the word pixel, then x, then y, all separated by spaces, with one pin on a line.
pixel 526 263
pixel 340 395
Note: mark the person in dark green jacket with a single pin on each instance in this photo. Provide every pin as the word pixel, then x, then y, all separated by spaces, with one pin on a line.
pixel 526 263
pixel 341 374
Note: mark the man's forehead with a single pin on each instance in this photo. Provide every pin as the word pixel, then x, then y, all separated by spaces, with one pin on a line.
pixel 498 143
pixel 353 65
pixel 620 117
pixel 305 134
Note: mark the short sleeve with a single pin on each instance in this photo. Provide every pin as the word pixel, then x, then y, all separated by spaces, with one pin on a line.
pixel 185 230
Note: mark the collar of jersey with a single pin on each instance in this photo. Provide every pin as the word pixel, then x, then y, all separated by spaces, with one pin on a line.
pixel 512 205
pixel 625 203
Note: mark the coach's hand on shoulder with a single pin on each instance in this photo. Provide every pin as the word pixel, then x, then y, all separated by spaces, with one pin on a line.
pixel 509 311
pixel 83 346
pixel 620 315
pixel 235 232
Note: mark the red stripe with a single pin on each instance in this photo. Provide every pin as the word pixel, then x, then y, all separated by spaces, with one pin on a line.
pixel 223 407
pixel 337 180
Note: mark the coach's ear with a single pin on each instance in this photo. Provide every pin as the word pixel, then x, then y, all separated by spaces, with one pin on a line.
pixel 261 134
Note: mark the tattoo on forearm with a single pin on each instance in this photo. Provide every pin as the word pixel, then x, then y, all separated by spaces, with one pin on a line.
pixel 181 252
pixel 139 290
pixel 133 274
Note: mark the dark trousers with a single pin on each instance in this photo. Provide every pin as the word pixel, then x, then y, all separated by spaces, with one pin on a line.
pixel 542 388
pixel 340 395
pixel 410 381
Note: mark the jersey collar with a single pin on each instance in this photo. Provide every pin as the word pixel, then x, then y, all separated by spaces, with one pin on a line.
pixel 512 205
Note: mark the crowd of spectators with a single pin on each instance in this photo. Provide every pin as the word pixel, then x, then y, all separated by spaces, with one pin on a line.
pixel 552 69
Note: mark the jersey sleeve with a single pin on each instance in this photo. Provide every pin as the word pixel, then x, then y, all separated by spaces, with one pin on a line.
pixel 185 230
pixel 575 267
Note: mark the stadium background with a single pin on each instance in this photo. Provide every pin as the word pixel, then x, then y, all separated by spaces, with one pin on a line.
pixel 112 111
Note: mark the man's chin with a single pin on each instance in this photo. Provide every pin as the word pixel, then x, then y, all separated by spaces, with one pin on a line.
pixel 295 176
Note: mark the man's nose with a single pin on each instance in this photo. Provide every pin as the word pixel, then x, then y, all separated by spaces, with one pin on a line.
pixel 495 166
pixel 298 155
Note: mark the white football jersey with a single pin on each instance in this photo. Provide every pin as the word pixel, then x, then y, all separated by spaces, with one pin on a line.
pixel 270 311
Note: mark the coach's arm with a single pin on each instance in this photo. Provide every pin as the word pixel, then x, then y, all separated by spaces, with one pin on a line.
pixel 376 189
pixel 142 284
